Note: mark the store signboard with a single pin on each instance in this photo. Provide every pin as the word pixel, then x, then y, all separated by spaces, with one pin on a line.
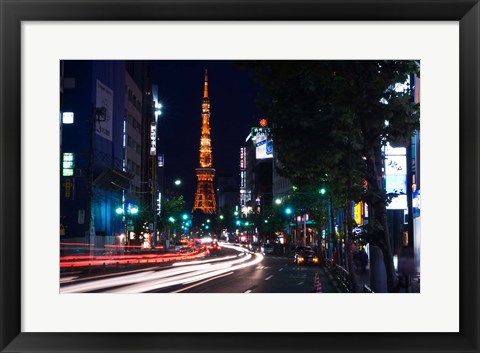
pixel 153 139
pixel 263 143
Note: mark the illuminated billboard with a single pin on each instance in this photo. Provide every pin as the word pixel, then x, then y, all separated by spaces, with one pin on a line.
pixel 153 139
pixel 263 143
pixel 396 176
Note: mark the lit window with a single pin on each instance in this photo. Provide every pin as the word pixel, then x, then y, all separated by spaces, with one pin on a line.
pixel 67 118
pixel 68 164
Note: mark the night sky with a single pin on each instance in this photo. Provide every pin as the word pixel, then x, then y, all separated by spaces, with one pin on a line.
pixel 233 110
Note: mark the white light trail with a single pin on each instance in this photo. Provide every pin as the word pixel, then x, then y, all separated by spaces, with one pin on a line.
pixel 178 274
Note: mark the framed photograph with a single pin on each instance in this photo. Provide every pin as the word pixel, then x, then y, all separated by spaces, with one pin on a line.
pixel 206 176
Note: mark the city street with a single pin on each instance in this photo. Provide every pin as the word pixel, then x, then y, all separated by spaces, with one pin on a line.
pixel 175 166
pixel 232 269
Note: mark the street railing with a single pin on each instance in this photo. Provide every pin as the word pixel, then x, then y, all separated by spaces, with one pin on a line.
pixel 340 276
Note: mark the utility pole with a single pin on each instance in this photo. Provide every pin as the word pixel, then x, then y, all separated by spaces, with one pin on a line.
pixel 98 114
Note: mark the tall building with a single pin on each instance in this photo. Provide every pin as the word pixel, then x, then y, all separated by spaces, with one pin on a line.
pixel 139 71
pixel 93 176
pixel 205 194
pixel 227 191
pixel 256 195
pixel 133 136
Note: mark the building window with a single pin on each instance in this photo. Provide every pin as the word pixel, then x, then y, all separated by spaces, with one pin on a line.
pixel 67 117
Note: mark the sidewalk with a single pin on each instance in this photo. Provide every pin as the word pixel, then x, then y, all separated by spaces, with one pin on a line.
pixel 364 280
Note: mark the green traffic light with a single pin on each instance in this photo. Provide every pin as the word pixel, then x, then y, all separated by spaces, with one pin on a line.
pixel 322 191
pixel 288 210
pixel 134 210
pixel 185 217
pixel 171 219
pixel 119 210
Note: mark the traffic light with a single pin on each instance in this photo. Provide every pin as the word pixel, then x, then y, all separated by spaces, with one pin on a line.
pixel 288 211
pixel 322 191
pixel 119 210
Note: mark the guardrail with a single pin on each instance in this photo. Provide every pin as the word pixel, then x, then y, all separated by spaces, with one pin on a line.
pixel 339 275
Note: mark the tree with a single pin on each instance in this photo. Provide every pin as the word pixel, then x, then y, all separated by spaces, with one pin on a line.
pixel 344 112
pixel 171 213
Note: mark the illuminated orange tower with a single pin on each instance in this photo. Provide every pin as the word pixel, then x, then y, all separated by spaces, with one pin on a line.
pixel 205 195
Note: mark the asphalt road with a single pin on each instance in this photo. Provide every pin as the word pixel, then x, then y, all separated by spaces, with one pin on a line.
pixel 230 270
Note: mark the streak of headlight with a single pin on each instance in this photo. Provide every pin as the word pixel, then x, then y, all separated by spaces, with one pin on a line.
pixel 130 282
pixel 220 271
pixel 215 270
pixel 67 279
pixel 104 283
pixel 238 248
pixel 203 262
pixel 198 284
pixel 149 284
pixel 126 280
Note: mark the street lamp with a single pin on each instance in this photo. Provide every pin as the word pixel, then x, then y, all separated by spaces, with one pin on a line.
pixel 178 182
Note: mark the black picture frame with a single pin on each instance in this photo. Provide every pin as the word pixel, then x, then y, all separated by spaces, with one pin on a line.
pixel 467 12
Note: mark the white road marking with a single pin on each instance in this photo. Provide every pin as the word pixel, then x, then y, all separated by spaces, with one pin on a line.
pixel 300 283
pixel 281 269
pixel 266 279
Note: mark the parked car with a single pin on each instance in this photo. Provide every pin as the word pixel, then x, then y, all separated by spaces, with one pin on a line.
pixel 267 249
pixel 306 257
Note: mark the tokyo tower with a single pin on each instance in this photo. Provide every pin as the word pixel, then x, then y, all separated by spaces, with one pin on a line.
pixel 205 195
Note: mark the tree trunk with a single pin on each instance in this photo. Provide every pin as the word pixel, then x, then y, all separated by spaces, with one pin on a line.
pixel 348 248
pixel 378 211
